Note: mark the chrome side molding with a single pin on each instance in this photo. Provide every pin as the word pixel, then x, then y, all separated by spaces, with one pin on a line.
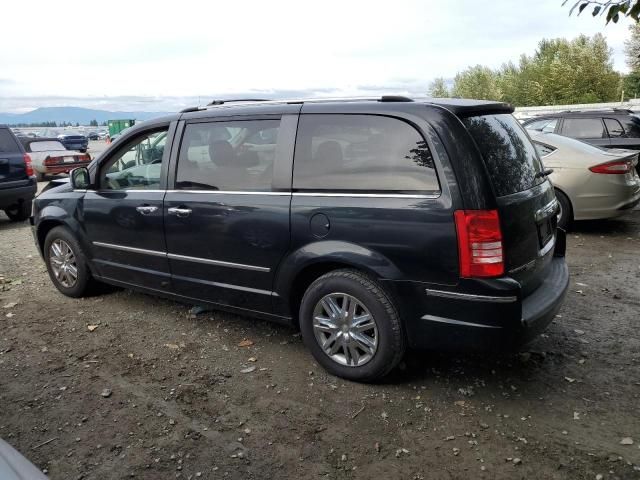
pixel 470 297
pixel 175 256
pixel 451 321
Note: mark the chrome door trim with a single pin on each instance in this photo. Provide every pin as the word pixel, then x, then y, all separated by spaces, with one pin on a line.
pixel 219 263
pixel 124 248
pixel 362 195
pixel 175 256
pixel 470 297
pixel 231 192
pixel 224 285
pixel 451 321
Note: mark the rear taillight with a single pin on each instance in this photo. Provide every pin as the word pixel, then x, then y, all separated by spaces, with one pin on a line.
pixel 619 167
pixel 479 243
pixel 28 166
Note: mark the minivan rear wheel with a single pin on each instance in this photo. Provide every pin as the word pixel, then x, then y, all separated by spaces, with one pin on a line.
pixel 66 263
pixel 351 326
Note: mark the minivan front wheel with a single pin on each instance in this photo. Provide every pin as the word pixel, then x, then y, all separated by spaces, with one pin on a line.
pixel 351 326
pixel 66 263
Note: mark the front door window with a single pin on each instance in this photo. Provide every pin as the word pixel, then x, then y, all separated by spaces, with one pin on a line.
pixel 137 165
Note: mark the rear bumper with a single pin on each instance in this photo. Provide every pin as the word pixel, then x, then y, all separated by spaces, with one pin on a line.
pixel 469 322
pixel 24 193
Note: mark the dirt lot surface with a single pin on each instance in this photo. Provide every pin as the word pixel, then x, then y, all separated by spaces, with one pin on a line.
pixel 126 385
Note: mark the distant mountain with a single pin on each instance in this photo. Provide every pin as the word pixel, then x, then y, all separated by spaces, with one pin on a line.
pixel 72 115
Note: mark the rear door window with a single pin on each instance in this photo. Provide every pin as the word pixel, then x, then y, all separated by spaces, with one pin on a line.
pixel 8 143
pixel 362 154
pixel 228 156
pixel 583 128
pixel 511 159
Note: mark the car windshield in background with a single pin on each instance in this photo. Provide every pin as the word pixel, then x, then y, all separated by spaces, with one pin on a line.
pixel 509 155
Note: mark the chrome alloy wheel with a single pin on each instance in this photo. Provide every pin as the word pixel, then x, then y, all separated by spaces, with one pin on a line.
pixel 63 263
pixel 345 330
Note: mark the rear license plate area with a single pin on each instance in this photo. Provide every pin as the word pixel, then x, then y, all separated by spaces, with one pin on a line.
pixel 545 230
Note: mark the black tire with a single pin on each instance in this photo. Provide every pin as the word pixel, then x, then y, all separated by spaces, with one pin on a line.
pixel 84 281
pixel 565 216
pixel 390 336
pixel 39 177
pixel 19 212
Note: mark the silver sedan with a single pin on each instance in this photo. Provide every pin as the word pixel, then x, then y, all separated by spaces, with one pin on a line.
pixel 590 182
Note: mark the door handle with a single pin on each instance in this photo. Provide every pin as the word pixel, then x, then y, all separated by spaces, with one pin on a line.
pixel 146 209
pixel 179 211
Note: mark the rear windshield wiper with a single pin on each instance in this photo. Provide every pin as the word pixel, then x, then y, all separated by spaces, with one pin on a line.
pixel 543 173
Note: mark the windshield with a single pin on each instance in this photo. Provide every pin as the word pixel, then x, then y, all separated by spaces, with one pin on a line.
pixel 510 157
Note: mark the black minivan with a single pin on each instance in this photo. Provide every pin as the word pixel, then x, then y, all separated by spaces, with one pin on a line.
pixel 374 225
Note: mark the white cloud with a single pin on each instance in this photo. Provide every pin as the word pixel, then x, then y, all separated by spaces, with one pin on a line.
pixel 148 48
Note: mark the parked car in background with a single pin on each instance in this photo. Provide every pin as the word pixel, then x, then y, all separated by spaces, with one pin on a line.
pixel 612 128
pixel 590 182
pixel 17 178
pixel 93 136
pixel 403 224
pixel 50 157
pixel 74 141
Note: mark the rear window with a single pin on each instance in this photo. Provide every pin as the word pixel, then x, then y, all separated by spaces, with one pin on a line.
pixel 50 145
pixel 362 154
pixel 8 143
pixel 510 157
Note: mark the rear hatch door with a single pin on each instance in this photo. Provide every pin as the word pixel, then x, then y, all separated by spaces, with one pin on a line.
pixel 12 167
pixel 525 197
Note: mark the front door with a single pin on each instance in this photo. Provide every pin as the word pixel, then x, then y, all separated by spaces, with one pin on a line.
pixel 226 225
pixel 123 217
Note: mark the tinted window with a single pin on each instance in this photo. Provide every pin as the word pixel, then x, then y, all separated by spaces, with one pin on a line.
pixel 543 150
pixel 510 157
pixel 583 128
pixel 137 165
pixel 613 127
pixel 233 156
pixel 8 144
pixel 631 126
pixel 362 153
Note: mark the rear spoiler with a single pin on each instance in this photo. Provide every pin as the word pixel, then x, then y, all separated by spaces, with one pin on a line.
pixel 472 108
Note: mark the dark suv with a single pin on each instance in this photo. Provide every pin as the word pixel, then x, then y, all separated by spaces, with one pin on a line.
pixel 374 225
pixel 612 128
pixel 17 179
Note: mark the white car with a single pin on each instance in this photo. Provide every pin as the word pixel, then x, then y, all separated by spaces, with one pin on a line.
pixel 50 157
pixel 590 182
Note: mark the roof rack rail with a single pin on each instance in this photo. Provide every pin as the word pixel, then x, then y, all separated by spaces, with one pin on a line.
pixel 600 109
pixel 233 100
pixel 383 98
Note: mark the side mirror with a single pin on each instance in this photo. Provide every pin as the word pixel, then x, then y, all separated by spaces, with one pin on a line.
pixel 80 178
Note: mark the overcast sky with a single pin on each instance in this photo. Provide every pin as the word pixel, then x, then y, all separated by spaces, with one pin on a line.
pixel 150 55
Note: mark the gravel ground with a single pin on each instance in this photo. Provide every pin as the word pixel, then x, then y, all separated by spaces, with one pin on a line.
pixel 126 385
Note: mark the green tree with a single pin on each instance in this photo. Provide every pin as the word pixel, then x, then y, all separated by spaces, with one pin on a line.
pixel 93 123
pixel 477 82
pixel 438 88
pixel 613 9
